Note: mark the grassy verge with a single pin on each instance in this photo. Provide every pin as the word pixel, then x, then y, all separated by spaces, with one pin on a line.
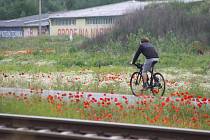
pixel 50 54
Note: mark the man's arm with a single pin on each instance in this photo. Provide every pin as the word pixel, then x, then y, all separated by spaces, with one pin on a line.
pixel 138 52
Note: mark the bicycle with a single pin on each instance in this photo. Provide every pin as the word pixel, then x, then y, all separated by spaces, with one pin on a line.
pixel 155 81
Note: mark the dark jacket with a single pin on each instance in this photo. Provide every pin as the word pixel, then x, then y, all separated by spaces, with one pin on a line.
pixel 147 50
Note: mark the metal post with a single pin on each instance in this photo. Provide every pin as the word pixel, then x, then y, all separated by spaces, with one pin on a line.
pixel 40 13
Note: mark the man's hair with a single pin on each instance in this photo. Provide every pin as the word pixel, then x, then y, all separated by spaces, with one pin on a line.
pixel 145 40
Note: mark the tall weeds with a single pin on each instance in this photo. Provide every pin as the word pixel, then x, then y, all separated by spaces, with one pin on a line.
pixel 189 22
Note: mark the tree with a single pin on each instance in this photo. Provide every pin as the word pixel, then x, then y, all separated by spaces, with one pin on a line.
pixel 69 4
pixel 10 9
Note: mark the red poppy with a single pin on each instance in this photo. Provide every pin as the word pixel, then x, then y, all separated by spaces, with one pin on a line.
pixel 163 104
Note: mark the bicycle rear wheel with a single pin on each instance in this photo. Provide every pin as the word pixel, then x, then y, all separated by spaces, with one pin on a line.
pixel 136 82
pixel 158 88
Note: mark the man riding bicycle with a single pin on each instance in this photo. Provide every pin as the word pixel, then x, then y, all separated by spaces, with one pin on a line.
pixel 148 50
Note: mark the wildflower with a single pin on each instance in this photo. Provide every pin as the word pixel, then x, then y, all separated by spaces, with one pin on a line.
pixel 89 95
pixel 81 95
pixel 71 96
pixel 93 100
pixel 124 97
pixel 157 117
pixel 109 116
pixel 206 116
pixel 98 103
pixel 204 99
pixel 59 107
pixel 76 96
pixel 115 100
pixel 126 101
pixel 155 91
pixel 152 121
pixel 167 99
pixel 108 99
pixel 118 104
pixel 86 104
pixel 108 103
pixel 163 104
pixel 64 94
pixel 199 97
pixel 194 119
pixel 77 100
pixel 50 99
pixel 98 119
pixel 199 105
pixel 165 120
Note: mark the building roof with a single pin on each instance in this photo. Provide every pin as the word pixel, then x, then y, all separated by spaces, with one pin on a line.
pixel 106 10
pixel 24 21
pixel 188 1
pixel 116 9
pixel 28 21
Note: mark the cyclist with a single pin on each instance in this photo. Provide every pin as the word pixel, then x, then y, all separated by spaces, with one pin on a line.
pixel 148 50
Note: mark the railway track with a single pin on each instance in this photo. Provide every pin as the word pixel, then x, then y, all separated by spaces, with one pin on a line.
pixel 19 127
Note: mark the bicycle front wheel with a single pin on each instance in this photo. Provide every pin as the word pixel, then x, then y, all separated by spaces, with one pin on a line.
pixel 159 85
pixel 136 82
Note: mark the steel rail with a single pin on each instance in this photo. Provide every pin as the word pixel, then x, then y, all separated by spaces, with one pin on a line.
pixel 21 127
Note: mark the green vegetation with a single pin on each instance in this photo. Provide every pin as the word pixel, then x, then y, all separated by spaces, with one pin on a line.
pixel 54 55
pixel 60 54
pixel 164 112
pixel 112 53
pixel 102 65
pixel 163 21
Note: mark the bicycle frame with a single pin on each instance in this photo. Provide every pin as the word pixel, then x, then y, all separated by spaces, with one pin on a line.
pixel 149 79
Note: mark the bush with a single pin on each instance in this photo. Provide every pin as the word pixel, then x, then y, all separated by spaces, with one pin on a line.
pixel 185 21
pixel 1 57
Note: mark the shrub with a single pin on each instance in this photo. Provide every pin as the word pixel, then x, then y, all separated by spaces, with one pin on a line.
pixel 1 57
pixel 185 21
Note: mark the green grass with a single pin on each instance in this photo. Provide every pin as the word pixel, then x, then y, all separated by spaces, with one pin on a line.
pixel 67 55
pixel 113 57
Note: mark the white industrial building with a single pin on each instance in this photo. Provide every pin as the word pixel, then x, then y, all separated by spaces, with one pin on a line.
pixel 88 22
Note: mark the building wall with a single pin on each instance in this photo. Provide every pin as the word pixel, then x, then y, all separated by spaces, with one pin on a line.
pixel 34 31
pixel 11 32
pixel 88 27
pixel 30 31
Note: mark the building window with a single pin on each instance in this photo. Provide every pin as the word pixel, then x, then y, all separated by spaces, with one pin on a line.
pixel 63 21
pixel 100 20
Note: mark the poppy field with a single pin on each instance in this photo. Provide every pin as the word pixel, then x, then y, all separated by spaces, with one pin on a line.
pixel 103 81
pixel 185 111
pixel 180 107
pixel 95 86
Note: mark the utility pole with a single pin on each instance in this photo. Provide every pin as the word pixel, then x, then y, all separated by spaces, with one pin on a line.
pixel 40 13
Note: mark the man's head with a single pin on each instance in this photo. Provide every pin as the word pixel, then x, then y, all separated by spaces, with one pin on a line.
pixel 145 40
